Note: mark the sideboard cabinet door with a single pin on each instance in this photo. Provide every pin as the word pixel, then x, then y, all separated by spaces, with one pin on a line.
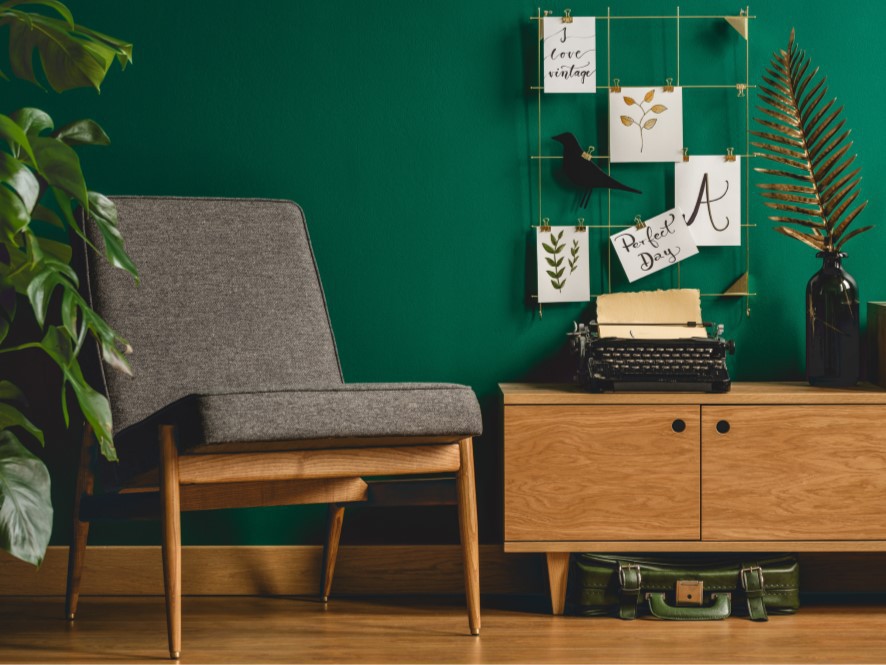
pixel 794 472
pixel 601 473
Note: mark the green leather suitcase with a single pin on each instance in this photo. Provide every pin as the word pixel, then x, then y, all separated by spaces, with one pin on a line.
pixel 685 587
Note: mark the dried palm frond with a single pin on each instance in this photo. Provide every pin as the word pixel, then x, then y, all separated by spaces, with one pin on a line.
pixel 803 136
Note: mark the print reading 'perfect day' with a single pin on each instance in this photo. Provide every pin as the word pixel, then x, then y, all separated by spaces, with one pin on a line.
pixel 570 54
pixel 662 242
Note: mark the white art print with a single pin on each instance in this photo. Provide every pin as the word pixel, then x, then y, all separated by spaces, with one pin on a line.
pixel 564 269
pixel 664 241
pixel 646 125
pixel 707 189
pixel 570 54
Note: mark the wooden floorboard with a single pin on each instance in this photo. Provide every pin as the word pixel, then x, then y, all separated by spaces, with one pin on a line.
pixel 420 630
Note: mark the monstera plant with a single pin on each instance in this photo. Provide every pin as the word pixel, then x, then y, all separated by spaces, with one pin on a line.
pixel 42 193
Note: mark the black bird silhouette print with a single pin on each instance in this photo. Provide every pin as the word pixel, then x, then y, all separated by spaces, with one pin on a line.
pixel 582 171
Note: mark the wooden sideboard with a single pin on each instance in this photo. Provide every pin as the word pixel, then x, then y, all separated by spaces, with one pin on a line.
pixel 769 467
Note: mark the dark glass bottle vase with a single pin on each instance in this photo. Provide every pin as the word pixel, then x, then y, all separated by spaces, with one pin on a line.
pixel 832 328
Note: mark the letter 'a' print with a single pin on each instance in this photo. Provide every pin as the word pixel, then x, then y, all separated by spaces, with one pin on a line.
pixel 707 189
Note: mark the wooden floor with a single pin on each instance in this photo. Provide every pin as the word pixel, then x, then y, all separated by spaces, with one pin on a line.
pixel 419 630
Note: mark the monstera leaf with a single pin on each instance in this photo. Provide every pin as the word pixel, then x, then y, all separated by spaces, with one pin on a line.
pixel 25 506
pixel 817 192
pixel 72 56
pixel 41 186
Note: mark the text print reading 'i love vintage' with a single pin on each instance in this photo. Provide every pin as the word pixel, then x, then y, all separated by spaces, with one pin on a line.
pixel 570 54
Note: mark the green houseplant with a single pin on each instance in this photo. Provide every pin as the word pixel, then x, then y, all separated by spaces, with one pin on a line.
pixel 42 188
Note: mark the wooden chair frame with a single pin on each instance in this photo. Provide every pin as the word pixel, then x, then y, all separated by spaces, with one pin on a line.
pixel 186 482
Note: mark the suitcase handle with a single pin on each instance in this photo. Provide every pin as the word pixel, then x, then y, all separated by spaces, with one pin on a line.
pixel 721 608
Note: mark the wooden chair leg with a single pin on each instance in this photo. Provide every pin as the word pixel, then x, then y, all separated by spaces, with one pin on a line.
pixel 172 551
pixel 80 531
pixel 330 548
pixel 467 521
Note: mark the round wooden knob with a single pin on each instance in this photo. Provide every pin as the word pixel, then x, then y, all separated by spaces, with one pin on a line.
pixel 678 425
pixel 723 426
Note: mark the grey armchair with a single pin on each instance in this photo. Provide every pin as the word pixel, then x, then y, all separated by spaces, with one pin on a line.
pixel 238 398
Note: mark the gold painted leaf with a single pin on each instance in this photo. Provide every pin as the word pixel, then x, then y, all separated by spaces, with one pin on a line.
pixel 777 103
pixel 828 192
pixel 797 164
pixel 659 108
pixel 789 131
pixel 775 94
pixel 627 121
pixel 649 124
pixel 831 161
pixel 814 211
pixel 819 152
pixel 786 174
pixel 812 224
pixel 834 216
pixel 831 202
pixel 852 235
pixel 793 198
pixel 812 241
pixel 795 220
pixel 630 101
pixel 813 122
pixel 649 95
pixel 811 103
pixel 784 187
pixel 830 177
pixel 801 89
pixel 785 140
pixel 777 85
pixel 796 154
pixel 804 131
pixel 822 145
pixel 781 117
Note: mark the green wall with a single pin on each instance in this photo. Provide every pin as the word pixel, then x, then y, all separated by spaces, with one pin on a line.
pixel 404 130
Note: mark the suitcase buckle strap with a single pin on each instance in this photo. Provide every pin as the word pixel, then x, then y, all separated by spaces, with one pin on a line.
pixel 754 588
pixel 629 580
pixel 629 577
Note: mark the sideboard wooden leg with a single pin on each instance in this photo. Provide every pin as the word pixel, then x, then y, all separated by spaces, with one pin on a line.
pixel 558 573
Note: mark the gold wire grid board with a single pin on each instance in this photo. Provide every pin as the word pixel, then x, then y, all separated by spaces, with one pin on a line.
pixel 739 288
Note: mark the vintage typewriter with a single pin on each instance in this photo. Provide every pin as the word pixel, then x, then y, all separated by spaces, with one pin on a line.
pixel 695 364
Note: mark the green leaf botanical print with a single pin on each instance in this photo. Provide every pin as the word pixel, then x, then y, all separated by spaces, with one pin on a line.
pixel 643 123
pixel 573 262
pixel 558 270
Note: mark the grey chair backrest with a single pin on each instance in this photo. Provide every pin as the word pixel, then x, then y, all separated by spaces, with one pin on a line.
pixel 230 301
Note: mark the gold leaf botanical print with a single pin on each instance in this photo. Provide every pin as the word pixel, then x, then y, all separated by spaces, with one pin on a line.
pixel 642 123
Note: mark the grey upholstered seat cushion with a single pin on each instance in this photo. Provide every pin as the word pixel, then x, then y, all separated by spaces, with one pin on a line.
pixel 338 411
pixel 411 411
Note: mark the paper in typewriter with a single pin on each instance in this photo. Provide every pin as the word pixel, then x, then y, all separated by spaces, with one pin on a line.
pixel 674 306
